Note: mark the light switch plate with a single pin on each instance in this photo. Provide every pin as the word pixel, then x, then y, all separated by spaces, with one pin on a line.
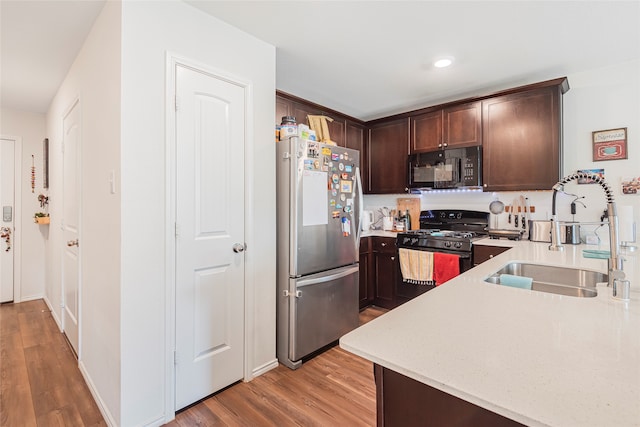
pixel 7 213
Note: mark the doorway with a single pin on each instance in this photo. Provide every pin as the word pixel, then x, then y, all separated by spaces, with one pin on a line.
pixel 71 146
pixel 9 176
pixel 210 129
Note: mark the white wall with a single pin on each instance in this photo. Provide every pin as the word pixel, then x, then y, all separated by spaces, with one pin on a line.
pixel 149 31
pixel 94 79
pixel 30 128
pixel 602 98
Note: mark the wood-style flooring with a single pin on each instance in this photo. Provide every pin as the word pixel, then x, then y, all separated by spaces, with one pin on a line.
pixel 335 388
pixel 41 385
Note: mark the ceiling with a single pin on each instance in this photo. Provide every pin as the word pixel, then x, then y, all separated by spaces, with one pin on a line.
pixel 38 42
pixel 367 59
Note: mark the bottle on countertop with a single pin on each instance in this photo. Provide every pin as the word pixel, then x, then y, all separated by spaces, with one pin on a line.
pixel 407 220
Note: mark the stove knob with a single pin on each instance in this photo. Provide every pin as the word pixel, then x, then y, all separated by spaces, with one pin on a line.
pixel 447 244
pixel 414 240
pixel 458 244
pixel 459 215
pixel 405 240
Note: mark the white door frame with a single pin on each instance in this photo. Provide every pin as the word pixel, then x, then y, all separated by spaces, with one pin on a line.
pixel 16 235
pixel 172 60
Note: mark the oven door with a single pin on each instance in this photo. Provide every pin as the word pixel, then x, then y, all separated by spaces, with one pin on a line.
pixel 406 291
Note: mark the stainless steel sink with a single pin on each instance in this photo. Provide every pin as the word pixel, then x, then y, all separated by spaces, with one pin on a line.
pixel 573 282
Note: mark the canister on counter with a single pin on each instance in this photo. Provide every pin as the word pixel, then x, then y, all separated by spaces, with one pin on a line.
pixel 288 127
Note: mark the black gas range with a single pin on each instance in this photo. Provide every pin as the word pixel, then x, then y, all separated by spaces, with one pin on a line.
pixel 447 230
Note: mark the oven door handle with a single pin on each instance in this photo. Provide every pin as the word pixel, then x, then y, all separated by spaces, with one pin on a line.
pixel 463 255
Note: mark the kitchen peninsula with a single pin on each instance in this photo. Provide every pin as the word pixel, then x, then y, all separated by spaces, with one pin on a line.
pixel 532 357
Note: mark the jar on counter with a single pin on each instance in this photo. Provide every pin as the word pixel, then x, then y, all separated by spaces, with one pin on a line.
pixel 288 127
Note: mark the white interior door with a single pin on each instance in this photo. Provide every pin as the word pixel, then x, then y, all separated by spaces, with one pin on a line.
pixel 71 226
pixel 7 165
pixel 210 139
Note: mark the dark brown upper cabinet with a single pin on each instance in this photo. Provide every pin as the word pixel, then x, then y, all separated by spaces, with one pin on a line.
pixel 345 131
pixel 522 135
pixel 451 127
pixel 387 151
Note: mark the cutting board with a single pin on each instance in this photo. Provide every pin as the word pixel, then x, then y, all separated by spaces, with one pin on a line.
pixel 413 204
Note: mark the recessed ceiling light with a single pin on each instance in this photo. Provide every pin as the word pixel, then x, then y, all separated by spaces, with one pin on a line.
pixel 444 62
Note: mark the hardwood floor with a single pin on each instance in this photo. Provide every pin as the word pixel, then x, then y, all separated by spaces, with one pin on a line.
pixel 334 388
pixel 41 385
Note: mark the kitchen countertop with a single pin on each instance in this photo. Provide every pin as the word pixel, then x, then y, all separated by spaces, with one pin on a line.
pixel 379 233
pixel 537 358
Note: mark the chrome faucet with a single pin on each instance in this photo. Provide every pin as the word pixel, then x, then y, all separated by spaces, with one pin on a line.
pixel 615 270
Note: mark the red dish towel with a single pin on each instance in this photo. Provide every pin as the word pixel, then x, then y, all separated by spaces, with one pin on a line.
pixel 445 267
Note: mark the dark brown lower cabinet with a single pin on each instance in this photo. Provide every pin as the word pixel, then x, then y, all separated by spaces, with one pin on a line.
pixel 482 253
pixel 366 284
pixel 385 271
pixel 404 402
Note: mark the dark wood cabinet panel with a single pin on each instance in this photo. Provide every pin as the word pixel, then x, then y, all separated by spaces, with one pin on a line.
pixel 387 151
pixel 452 127
pixel 355 137
pixel 385 266
pixel 426 132
pixel 337 131
pixel 403 401
pixel 522 140
pixel 366 284
pixel 482 253
pixel 288 105
pixel 463 125
pixel 283 108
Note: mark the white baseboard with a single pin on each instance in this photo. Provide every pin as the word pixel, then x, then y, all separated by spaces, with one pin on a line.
pixel 155 423
pixel 106 414
pixel 30 298
pixel 53 313
pixel 264 368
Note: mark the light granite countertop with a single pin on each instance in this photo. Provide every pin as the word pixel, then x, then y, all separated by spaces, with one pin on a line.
pixel 538 358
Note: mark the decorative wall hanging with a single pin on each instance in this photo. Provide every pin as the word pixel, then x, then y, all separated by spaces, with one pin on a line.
pixel 44 200
pixel 599 172
pixel 33 173
pixel 45 163
pixel 610 144
pixel 631 185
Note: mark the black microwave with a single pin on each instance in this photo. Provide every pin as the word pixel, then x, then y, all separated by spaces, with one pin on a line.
pixel 444 169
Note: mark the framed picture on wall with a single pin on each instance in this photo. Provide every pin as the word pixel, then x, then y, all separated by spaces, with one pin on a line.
pixel 45 163
pixel 610 144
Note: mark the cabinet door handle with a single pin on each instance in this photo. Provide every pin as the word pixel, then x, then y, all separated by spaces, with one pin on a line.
pixel 490 256
pixel 393 258
pixel 383 244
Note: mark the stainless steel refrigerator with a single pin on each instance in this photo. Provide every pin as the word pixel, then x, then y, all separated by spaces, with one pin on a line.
pixel 319 202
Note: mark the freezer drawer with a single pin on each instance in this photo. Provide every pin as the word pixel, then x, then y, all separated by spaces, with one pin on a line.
pixel 324 308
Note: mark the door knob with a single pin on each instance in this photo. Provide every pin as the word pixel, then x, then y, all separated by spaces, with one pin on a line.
pixel 73 243
pixel 239 247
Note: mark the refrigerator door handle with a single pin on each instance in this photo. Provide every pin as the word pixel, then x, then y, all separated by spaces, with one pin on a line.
pixel 360 208
pixel 293 205
pixel 343 273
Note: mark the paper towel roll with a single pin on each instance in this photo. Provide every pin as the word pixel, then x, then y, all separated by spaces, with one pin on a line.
pixel 625 223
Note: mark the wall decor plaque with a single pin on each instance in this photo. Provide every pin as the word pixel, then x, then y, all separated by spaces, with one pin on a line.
pixel 610 144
